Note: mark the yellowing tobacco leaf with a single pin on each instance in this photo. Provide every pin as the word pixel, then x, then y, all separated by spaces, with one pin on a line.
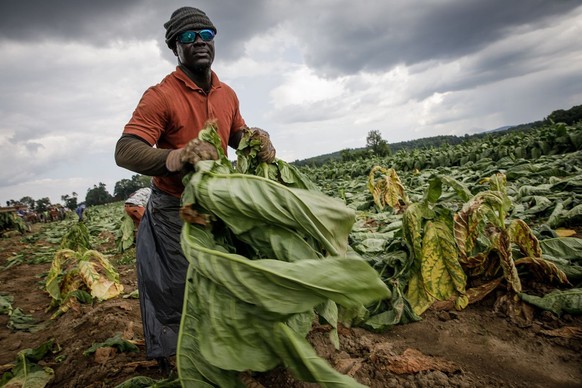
pixel 476 294
pixel 460 231
pixel 565 232
pixel 521 234
pixel 99 276
pixel 461 302
pixel 441 271
pixel 476 265
pixel 543 270
pixel 498 182
pixel 412 227
pixel 54 276
pixel 472 295
pixel 417 296
pixel 468 225
pixel 387 189
pixel 500 242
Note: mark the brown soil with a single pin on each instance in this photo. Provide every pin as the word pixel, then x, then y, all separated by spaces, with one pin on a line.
pixel 476 347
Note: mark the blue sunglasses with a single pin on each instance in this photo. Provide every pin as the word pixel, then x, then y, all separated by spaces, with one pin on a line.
pixel 190 36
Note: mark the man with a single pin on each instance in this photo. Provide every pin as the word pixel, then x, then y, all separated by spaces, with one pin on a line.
pixel 169 116
pixel 135 204
pixel 80 210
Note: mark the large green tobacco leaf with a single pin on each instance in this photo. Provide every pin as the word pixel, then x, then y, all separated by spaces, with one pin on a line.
pixel 26 372
pixel 76 238
pixel 561 216
pixel 566 254
pixel 114 342
pixel 229 317
pixel 460 190
pixel 235 306
pixel 245 202
pixel 558 302
pixel 400 313
pixel 125 235
pixel 573 184
pixel 347 280
pixel 569 248
pixel 291 347
pixel 542 204
pixel 280 243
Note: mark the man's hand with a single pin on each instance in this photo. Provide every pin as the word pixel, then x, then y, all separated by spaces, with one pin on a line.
pixel 173 161
pixel 267 151
pixel 195 151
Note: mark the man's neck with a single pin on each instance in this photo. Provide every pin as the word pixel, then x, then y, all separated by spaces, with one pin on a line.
pixel 201 77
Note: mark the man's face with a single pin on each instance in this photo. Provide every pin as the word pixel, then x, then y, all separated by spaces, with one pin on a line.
pixel 197 55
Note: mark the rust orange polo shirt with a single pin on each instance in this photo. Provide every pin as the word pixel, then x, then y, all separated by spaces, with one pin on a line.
pixel 173 112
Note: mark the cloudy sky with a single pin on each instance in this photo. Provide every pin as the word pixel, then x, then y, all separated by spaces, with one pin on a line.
pixel 318 75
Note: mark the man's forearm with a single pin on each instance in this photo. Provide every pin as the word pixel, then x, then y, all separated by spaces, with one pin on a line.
pixel 136 155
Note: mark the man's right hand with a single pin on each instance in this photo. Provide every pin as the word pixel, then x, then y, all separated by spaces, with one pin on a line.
pixel 195 151
pixel 173 161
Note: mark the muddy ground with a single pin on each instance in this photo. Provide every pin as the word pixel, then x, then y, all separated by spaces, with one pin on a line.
pixel 476 347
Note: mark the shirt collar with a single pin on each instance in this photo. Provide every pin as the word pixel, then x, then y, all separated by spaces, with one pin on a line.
pixel 191 84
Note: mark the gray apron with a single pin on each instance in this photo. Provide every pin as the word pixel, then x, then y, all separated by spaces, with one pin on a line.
pixel 161 273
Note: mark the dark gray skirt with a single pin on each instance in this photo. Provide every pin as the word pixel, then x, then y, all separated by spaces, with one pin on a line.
pixel 161 273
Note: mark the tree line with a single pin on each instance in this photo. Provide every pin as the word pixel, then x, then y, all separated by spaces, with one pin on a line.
pixel 376 146
pixel 97 195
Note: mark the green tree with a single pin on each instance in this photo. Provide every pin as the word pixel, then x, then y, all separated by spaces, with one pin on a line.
pixel 347 155
pixel 378 145
pixel 98 195
pixel 42 204
pixel 28 201
pixel 70 201
pixel 570 116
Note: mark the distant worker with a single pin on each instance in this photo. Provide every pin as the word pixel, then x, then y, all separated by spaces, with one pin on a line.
pixel 135 204
pixel 80 210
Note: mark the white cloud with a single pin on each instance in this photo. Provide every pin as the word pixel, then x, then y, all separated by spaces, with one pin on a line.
pixel 302 86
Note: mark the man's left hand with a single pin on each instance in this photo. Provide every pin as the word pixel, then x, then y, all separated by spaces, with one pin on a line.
pixel 267 151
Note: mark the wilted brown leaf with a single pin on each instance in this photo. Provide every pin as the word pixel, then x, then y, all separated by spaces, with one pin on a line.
pixel 413 361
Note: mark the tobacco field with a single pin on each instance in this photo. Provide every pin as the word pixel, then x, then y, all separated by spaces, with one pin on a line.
pixel 457 266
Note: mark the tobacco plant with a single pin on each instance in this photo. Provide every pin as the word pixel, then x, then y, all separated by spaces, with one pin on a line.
pixel 463 248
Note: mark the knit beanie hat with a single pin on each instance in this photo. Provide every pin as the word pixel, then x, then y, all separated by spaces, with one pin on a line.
pixel 184 19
